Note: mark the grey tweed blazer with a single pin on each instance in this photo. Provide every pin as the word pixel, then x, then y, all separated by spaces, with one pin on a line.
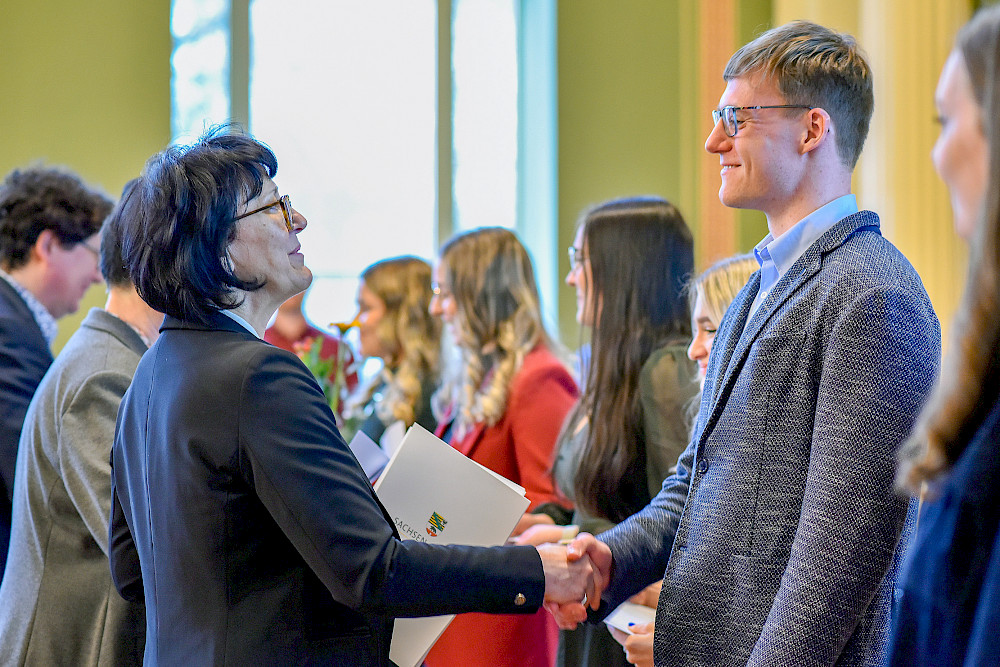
pixel 776 538
pixel 57 603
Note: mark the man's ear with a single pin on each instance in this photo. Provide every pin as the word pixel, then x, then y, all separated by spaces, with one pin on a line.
pixel 819 129
pixel 45 245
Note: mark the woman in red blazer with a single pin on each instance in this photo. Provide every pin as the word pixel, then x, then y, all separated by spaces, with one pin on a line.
pixel 503 409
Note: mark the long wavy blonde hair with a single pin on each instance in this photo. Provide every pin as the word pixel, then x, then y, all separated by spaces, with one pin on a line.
pixel 407 332
pixel 498 321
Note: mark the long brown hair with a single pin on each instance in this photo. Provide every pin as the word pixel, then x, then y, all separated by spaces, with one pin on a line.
pixel 641 255
pixel 970 378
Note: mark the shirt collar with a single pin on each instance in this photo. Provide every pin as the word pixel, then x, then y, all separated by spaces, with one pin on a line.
pixel 788 247
pixel 239 320
pixel 45 321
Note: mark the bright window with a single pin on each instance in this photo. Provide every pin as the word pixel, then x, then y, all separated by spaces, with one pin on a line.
pixel 347 95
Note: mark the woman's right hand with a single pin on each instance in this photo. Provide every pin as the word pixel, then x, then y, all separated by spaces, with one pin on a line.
pixel 638 646
pixel 528 520
pixel 540 534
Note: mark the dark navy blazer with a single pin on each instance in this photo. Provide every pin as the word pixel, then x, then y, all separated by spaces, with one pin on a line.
pixel 949 612
pixel 257 535
pixel 24 358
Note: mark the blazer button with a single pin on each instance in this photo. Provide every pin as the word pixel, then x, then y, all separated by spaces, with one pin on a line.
pixel 702 466
pixel 519 600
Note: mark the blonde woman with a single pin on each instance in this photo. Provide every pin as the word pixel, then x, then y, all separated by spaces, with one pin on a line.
pixel 502 408
pixel 395 326
pixel 710 295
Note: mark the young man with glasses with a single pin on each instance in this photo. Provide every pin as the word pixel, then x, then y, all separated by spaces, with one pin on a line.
pixel 49 224
pixel 776 539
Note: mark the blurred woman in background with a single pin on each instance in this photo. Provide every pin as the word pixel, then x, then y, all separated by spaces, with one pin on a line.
pixel 396 326
pixel 710 295
pixel 629 263
pixel 502 407
pixel 949 610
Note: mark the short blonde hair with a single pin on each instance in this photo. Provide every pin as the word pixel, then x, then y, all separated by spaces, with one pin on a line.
pixel 719 284
pixel 816 67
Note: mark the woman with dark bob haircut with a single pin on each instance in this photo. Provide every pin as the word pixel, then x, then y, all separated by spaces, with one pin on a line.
pixel 239 512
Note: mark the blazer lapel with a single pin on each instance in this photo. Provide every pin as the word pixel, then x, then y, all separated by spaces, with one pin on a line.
pixel 737 345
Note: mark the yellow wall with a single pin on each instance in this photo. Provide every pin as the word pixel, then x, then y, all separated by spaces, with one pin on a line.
pixel 86 85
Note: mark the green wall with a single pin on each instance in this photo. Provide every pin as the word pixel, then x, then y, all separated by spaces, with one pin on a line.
pixel 86 85
pixel 618 81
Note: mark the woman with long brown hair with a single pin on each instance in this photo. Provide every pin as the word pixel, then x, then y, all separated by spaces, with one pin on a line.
pixel 629 263
pixel 949 611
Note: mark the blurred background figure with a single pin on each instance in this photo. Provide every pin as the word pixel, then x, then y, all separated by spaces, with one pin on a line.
pixel 49 235
pixel 629 263
pixel 709 296
pixel 57 604
pixel 949 611
pixel 503 408
pixel 292 331
pixel 395 325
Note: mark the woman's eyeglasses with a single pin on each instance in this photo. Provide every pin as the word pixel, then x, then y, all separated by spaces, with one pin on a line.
pixel 286 210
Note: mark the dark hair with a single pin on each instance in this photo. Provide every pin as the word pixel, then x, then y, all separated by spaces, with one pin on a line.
pixel 190 195
pixel 39 198
pixel 817 67
pixel 641 255
pixel 969 384
pixel 112 265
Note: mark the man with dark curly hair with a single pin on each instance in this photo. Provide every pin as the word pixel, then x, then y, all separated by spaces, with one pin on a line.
pixel 49 248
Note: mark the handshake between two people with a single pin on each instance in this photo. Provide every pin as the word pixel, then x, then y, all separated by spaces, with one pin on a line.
pixel 575 577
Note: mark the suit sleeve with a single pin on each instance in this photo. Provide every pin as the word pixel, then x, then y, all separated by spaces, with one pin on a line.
pixel 308 479
pixel 537 410
pixel 123 555
pixel 86 433
pixel 878 366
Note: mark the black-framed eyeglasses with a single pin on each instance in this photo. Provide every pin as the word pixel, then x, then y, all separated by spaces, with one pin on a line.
pixel 728 115
pixel 576 257
pixel 286 210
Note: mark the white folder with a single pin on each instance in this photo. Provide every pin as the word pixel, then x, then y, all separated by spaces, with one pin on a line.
pixel 435 494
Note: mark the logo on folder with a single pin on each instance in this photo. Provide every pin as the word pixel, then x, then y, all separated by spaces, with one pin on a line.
pixel 435 524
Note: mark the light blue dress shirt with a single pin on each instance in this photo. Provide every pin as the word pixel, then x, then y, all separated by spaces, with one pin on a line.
pixel 776 255
pixel 240 321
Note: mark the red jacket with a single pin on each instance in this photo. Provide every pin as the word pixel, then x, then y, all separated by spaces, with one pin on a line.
pixel 520 447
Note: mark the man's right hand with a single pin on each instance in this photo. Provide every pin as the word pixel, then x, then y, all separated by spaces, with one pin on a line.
pixel 585 548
